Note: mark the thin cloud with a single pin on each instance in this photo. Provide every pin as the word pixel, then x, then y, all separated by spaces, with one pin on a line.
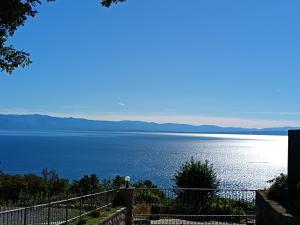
pixel 274 113
pixel 121 104
pixel 74 107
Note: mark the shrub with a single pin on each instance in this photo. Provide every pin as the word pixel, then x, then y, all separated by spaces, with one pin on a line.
pixel 87 184
pixel 81 222
pixel 142 208
pixel 278 189
pixel 95 214
pixel 195 174
pixel 149 196
pixel 222 206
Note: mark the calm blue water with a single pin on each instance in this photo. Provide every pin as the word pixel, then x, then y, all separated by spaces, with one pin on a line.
pixel 241 161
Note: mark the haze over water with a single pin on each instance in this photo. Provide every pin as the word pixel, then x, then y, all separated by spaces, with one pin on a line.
pixel 241 161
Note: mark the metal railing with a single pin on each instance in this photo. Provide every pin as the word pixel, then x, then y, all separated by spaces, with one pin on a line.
pixel 58 212
pixel 193 206
pixel 146 206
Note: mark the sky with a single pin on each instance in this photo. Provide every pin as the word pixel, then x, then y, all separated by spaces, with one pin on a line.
pixel 229 63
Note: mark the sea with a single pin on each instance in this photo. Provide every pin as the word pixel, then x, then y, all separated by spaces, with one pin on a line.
pixel 240 161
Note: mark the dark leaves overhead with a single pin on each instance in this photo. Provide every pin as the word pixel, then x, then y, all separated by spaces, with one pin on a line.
pixel 107 3
pixel 13 14
pixel 11 58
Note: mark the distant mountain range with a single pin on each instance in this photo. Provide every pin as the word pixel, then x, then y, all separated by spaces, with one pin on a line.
pixel 43 122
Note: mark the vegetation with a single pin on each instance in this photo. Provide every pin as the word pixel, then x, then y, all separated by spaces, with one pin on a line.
pixel 94 218
pixel 148 198
pixel 87 184
pixel 31 189
pixel 28 187
pixel 192 174
pixel 278 192
pixel 13 15
pixel 278 189
pixel 196 174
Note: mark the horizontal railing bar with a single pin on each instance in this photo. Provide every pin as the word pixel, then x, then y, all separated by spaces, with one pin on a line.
pixel 81 197
pixel 192 215
pixel 56 202
pixel 86 213
pixel 197 189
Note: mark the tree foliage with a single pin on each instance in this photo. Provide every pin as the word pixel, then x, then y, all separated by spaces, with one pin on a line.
pixel 87 184
pixel 13 15
pixel 196 174
pixel 55 185
pixel 107 3
pixel 12 186
pixel 33 189
pixel 278 188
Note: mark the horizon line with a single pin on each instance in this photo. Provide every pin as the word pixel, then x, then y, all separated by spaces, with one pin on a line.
pixel 131 118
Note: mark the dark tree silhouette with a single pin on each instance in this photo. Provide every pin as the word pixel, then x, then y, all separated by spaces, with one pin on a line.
pixel 195 174
pixel 13 14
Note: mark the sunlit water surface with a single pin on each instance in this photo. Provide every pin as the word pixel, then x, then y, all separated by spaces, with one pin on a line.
pixel 241 161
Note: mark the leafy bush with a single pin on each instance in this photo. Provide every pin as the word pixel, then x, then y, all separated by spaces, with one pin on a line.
pixel 222 206
pixel 196 174
pixel 142 208
pixel 150 194
pixel 81 222
pixel 87 184
pixel 13 186
pixel 278 189
pixel 95 214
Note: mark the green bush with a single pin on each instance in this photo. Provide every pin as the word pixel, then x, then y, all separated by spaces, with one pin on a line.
pixel 95 214
pixel 87 184
pixel 222 206
pixel 82 222
pixel 195 174
pixel 149 196
pixel 278 189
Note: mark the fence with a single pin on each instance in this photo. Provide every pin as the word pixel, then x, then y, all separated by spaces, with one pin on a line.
pixel 171 206
pixel 58 212
pixel 193 206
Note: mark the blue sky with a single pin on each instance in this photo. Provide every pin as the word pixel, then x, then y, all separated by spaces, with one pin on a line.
pixel 230 63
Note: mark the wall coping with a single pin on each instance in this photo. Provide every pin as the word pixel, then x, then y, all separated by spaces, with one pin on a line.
pixel 119 211
pixel 275 205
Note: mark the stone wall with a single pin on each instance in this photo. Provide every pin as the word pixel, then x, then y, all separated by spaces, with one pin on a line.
pixel 118 218
pixel 269 212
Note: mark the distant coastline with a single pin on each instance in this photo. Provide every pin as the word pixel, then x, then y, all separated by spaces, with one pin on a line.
pixel 38 122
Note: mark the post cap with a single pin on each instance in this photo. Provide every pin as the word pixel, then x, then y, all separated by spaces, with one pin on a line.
pixel 127 178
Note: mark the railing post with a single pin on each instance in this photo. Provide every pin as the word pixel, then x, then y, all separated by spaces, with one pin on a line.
pixel 49 212
pixel 126 197
pixel 25 216
pixel 67 210
pixel 80 206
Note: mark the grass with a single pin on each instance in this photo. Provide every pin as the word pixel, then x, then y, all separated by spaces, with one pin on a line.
pixel 89 220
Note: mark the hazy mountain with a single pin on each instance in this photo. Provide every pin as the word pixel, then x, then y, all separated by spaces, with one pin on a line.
pixel 44 122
